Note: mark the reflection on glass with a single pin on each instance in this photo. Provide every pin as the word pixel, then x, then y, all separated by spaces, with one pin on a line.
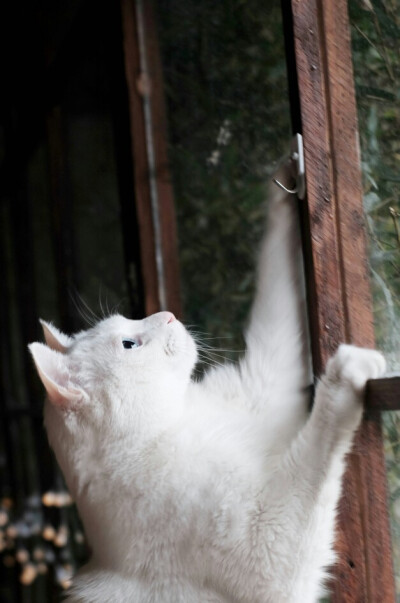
pixel 228 114
pixel 376 57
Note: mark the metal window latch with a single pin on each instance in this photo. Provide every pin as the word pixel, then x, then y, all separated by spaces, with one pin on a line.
pixel 297 167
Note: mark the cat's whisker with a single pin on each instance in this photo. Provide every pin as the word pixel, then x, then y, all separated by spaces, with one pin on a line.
pixel 230 350
pixel 107 307
pixel 188 327
pixel 210 349
pixel 103 314
pixel 206 339
pixel 203 362
pixel 95 318
pixel 219 337
pixel 210 361
pixel 115 308
pixel 83 309
pixel 87 319
pixel 211 364
pixel 218 359
pixel 201 338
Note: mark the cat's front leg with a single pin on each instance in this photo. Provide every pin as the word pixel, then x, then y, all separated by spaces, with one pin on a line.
pixel 275 371
pixel 309 481
pixel 337 411
pixel 276 368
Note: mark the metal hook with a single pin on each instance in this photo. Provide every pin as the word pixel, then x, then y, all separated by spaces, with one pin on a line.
pixel 297 168
pixel 292 192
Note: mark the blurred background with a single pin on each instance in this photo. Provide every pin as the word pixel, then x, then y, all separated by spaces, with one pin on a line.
pixel 136 140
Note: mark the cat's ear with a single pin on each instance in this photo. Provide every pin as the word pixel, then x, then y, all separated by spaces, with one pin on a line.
pixel 53 370
pixel 54 338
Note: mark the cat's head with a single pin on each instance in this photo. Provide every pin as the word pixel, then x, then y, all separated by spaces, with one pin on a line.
pixel 119 376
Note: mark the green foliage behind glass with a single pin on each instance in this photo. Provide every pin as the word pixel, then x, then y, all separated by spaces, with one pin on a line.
pixel 376 57
pixel 226 88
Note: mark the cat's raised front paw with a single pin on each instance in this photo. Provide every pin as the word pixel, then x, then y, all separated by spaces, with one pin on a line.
pixel 354 366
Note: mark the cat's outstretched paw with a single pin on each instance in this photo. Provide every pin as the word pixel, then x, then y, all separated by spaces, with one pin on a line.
pixel 347 373
pixel 354 366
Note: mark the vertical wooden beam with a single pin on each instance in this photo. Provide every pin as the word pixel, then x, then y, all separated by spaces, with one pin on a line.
pixel 126 192
pixel 153 190
pixel 339 283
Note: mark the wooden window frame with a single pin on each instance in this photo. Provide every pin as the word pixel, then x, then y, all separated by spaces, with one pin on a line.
pixel 338 282
pixel 323 108
pixel 152 182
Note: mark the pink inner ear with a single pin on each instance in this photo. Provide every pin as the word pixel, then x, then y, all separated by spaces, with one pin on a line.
pixel 53 370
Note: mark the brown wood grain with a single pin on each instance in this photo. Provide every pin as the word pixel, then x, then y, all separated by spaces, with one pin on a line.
pixel 150 86
pixel 340 299
pixel 383 394
pixel 368 464
pixel 164 184
pixel 139 154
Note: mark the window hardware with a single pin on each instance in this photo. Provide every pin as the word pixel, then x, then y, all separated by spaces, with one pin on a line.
pixel 297 167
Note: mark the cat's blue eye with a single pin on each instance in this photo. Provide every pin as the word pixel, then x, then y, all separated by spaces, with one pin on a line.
pixel 131 343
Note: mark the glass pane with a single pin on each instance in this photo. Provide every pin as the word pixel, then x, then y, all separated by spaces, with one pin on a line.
pixel 376 57
pixel 229 121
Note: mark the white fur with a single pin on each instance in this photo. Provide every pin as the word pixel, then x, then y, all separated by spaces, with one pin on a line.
pixel 217 491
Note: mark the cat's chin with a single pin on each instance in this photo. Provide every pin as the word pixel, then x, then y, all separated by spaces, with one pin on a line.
pixel 180 345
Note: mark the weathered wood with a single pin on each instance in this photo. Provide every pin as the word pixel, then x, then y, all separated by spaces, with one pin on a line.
pixel 340 300
pixel 383 394
pixel 153 190
pixel 126 190
pixel 139 155
pixel 164 183
pixel 369 465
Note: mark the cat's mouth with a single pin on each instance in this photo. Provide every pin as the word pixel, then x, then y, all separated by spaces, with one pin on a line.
pixel 177 342
pixel 170 346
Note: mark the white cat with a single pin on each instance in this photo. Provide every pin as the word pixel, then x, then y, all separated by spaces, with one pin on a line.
pixel 217 491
